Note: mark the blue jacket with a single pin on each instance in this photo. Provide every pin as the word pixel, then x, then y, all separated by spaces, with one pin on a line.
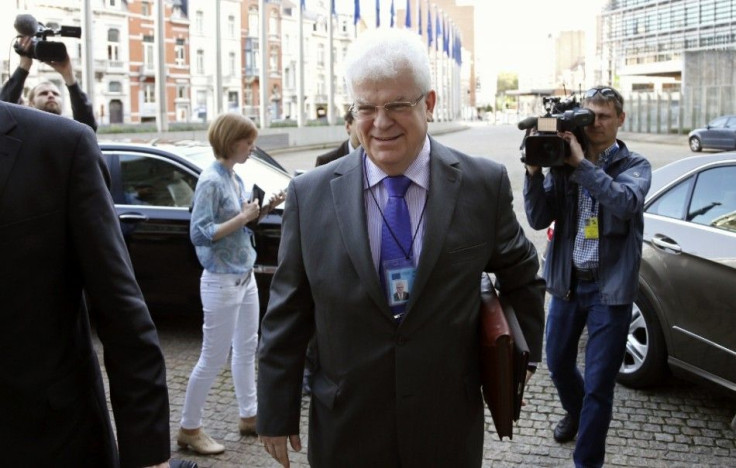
pixel 620 190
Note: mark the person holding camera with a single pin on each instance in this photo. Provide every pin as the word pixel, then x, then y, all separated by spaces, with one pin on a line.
pixel 46 96
pixel 596 200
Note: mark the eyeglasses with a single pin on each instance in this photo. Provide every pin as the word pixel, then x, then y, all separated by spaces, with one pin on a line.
pixel 605 92
pixel 368 112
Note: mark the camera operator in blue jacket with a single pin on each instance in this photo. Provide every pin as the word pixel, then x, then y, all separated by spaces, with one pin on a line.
pixel 596 200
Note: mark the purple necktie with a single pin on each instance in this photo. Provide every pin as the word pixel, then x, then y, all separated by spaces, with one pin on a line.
pixel 396 241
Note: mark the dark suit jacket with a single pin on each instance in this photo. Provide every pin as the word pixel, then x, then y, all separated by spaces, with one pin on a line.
pixel 330 156
pixel 388 395
pixel 58 234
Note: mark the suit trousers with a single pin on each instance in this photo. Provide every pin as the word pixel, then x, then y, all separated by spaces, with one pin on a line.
pixel 590 398
pixel 231 309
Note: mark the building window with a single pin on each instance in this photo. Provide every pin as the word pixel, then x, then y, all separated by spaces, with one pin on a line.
pixel 145 9
pixel 251 56
pixel 231 63
pixel 321 55
pixel 148 58
pixel 199 22
pixel 113 38
pixel 231 26
pixel 273 61
pixel 149 93
pixel 201 98
pixel 253 21
pixel 182 91
pixel 200 62
pixel 179 52
pixel 115 87
pixel 232 100
pixel 273 23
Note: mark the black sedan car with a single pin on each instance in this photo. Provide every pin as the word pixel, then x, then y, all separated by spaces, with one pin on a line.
pixel 152 187
pixel 720 134
pixel 684 319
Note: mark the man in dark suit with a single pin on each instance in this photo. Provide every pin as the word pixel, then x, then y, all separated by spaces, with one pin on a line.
pixel 59 235
pixel 345 147
pixel 398 385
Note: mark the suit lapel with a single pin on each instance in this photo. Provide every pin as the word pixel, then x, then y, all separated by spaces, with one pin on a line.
pixel 9 147
pixel 445 180
pixel 347 198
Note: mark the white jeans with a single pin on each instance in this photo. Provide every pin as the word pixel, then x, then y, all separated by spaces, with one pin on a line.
pixel 231 312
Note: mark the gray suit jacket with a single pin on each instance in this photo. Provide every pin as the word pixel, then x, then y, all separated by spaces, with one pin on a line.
pixel 388 395
pixel 59 234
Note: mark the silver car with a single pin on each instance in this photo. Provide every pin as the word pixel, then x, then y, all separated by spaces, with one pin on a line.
pixel 684 319
pixel 720 133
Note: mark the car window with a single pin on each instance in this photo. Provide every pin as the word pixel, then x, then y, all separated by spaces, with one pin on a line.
pixel 672 203
pixel 731 122
pixel 714 198
pixel 719 122
pixel 148 180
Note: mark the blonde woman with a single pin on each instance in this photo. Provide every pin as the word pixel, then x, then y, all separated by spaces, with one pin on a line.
pixel 228 289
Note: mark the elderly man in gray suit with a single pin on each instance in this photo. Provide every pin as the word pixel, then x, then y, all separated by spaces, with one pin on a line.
pixel 399 381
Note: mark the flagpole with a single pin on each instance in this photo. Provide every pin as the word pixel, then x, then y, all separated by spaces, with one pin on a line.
pixel 263 78
pixel 300 70
pixel 330 68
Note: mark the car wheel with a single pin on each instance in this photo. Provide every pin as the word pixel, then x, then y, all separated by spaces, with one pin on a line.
pixel 695 144
pixel 645 360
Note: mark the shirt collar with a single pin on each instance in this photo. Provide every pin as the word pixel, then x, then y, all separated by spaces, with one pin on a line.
pixel 418 170
pixel 607 155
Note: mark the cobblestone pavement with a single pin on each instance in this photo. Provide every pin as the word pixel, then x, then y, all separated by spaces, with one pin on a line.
pixel 676 425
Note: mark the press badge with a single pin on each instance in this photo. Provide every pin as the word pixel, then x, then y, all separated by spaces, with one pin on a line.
pixel 591 228
pixel 399 279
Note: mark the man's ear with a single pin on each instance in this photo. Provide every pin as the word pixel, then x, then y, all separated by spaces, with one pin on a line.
pixel 430 100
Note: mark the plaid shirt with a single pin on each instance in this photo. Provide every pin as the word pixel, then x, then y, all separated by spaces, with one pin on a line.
pixel 585 251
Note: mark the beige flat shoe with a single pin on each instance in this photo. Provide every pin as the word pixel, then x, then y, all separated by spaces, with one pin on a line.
pixel 199 442
pixel 247 426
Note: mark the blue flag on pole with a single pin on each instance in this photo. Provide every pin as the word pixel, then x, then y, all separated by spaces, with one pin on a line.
pixel 378 13
pixel 430 35
pixel 332 8
pixel 407 21
pixel 437 30
pixel 419 17
pixel 356 12
pixel 393 13
pixel 304 6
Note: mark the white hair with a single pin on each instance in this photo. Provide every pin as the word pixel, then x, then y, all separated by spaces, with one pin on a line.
pixel 384 54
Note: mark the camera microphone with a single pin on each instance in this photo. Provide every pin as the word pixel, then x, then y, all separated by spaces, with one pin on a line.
pixel 26 25
pixel 527 123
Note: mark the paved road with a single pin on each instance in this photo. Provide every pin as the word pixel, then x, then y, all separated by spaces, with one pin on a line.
pixel 677 424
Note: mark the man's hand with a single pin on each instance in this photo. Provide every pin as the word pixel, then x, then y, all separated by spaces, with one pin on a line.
pixel 276 447
pixel 576 151
pixel 25 43
pixel 64 68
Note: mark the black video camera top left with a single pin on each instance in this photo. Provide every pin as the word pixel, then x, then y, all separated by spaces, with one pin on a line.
pixel 41 48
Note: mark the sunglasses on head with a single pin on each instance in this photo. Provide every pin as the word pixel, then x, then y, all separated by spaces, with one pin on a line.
pixel 605 92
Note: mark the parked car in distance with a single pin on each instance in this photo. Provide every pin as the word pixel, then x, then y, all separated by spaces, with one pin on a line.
pixel 152 186
pixel 684 317
pixel 720 134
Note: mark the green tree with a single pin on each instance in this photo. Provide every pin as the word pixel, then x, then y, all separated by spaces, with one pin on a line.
pixel 506 81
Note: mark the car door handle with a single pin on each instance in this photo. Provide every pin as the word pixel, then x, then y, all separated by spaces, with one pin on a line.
pixel 666 243
pixel 133 217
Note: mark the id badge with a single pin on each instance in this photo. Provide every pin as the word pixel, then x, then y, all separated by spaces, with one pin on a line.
pixel 591 228
pixel 399 279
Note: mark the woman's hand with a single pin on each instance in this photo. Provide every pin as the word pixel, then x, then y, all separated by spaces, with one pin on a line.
pixel 249 211
pixel 273 202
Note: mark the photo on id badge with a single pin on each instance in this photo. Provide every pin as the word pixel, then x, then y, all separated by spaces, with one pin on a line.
pixel 399 276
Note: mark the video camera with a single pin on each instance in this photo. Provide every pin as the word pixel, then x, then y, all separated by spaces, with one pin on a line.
pixel 545 148
pixel 41 48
